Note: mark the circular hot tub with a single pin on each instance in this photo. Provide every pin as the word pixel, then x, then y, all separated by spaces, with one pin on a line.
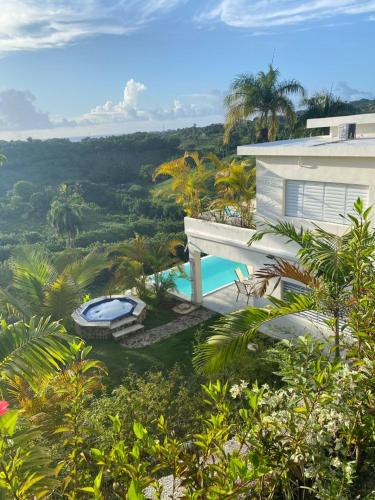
pixel 109 317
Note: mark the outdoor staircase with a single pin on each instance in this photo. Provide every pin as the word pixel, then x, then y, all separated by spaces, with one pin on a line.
pixel 127 331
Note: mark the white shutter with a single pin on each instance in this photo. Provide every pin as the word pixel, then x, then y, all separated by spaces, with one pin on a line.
pixel 294 198
pixel 353 192
pixel 334 203
pixel 313 200
pixel 323 201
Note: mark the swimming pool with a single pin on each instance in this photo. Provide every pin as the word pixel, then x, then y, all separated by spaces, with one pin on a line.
pixel 216 273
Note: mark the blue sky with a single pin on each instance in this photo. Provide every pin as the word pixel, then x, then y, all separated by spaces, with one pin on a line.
pixel 89 67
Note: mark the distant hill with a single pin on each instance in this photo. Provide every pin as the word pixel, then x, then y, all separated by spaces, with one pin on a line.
pixel 364 105
pixel 120 160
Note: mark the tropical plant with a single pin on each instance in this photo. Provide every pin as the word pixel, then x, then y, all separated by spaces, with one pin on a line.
pixel 66 219
pixel 307 436
pixel 235 184
pixel 134 261
pixel 44 286
pixel 325 267
pixel 190 181
pixel 65 215
pixel 32 351
pixel 25 468
pixel 325 104
pixel 264 97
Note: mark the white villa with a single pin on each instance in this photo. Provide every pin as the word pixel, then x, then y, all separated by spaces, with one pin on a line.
pixel 305 181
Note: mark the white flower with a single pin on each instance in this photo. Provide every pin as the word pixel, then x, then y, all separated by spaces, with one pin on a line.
pixel 244 384
pixel 235 391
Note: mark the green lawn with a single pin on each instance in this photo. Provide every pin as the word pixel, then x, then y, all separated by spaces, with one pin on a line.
pixel 157 316
pixel 162 355
pixel 178 350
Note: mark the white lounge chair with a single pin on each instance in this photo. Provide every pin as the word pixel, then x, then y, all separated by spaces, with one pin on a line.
pixel 241 277
pixel 243 289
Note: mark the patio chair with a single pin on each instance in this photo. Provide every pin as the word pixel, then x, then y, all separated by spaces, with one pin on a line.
pixel 241 277
pixel 231 212
pixel 250 269
pixel 243 289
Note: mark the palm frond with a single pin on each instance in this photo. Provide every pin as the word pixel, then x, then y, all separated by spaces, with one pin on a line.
pixel 33 350
pixel 282 228
pixel 28 262
pixel 22 306
pixel 61 298
pixel 283 269
pixel 85 270
pixel 234 332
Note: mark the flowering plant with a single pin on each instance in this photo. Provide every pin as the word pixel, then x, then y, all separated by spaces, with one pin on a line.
pixel 3 407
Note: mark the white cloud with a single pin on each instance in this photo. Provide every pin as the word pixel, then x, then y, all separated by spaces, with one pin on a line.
pixel 255 14
pixel 129 109
pixel 351 94
pixel 19 117
pixel 125 110
pixel 18 111
pixel 37 24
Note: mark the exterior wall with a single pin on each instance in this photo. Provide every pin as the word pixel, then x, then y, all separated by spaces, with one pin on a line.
pixel 231 242
pixel 273 172
pixel 363 131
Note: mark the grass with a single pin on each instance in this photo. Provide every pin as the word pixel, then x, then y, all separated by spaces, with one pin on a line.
pixel 178 349
pixel 157 315
pixel 160 356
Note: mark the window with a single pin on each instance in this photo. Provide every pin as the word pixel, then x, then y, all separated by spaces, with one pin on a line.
pixel 317 318
pixel 322 201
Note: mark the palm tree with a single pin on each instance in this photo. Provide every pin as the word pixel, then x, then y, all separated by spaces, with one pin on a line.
pixel 34 350
pixel 133 262
pixel 43 287
pixel 325 267
pixel 235 183
pixel 190 181
pixel 65 216
pixel 322 105
pixel 264 97
pixel 325 104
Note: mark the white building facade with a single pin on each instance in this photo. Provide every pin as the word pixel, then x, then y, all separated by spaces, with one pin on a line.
pixel 304 181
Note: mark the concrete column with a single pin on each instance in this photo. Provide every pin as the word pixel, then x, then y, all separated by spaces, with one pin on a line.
pixel 196 277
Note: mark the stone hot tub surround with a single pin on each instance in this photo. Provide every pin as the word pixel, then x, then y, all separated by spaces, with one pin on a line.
pixel 110 316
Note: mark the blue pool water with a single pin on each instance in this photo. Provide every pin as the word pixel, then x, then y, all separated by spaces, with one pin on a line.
pixel 216 273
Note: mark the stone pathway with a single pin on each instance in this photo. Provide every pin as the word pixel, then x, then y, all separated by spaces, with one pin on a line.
pixel 163 332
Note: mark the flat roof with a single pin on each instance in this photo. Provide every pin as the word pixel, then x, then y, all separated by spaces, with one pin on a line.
pixel 335 121
pixel 312 146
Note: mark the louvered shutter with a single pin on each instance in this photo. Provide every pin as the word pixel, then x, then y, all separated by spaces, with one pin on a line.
pixel 353 192
pixel 313 200
pixel 294 199
pixel 323 201
pixel 334 203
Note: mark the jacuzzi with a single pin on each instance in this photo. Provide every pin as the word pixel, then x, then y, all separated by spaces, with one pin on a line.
pixel 110 309
pixel 105 317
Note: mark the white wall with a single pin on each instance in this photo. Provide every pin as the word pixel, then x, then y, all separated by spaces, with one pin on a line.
pixel 273 172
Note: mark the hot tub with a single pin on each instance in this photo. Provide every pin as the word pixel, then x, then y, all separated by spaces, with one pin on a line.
pixel 109 316
pixel 110 309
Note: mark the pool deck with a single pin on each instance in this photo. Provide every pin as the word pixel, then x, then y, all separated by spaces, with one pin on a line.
pixel 223 301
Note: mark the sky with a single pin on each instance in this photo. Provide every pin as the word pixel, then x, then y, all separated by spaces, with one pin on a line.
pixel 73 68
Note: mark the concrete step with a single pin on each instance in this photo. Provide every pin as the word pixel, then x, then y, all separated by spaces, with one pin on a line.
pixel 130 330
pixel 127 321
